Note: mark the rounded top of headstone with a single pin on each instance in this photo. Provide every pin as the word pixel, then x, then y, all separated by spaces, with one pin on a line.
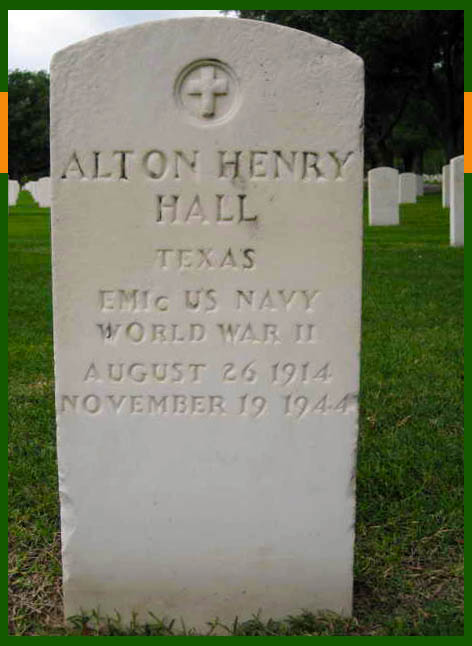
pixel 217 26
pixel 383 170
pixel 217 73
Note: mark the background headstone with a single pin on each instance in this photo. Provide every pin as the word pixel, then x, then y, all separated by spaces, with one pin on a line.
pixel 32 187
pixel 407 188
pixel 445 185
pixel 456 214
pixel 419 185
pixel 206 226
pixel 13 190
pixel 43 191
pixel 383 196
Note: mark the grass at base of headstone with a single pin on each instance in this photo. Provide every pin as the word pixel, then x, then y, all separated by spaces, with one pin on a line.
pixel 408 577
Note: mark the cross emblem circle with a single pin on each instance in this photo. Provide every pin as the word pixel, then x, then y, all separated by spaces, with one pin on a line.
pixel 207 92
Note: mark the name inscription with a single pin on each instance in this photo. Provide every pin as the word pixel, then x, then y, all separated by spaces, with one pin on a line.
pixel 256 165
pixel 207 189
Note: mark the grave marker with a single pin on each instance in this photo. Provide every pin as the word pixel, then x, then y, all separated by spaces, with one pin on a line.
pixel 445 185
pixel 43 191
pixel 419 185
pixel 206 225
pixel 32 188
pixel 13 190
pixel 383 196
pixel 456 214
pixel 407 188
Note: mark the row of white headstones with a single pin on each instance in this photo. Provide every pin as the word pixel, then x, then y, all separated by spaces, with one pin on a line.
pixel 40 190
pixel 388 189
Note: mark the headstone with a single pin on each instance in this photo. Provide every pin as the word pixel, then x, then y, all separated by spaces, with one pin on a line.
pixel 419 185
pixel 456 214
pixel 13 190
pixel 206 224
pixel 31 187
pixel 445 185
pixel 383 196
pixel 407 188
pixel 43 192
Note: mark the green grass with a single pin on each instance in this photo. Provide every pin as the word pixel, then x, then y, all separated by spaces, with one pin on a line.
pixel 409 541
pixel 26 205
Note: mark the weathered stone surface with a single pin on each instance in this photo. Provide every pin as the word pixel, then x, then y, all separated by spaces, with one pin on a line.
pixel 445 185
pixel 383 196
pixel 206 224
pixel 407 188
pixel 456 214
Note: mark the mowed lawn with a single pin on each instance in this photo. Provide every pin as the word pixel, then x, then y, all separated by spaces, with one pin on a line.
pixel 409 539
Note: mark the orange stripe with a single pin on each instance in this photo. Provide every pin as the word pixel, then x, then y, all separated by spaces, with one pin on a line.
pixel 467 132
pixel 3 132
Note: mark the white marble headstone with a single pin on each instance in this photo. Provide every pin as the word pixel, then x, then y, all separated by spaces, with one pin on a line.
pixel 13 190
pixel 407 188
pixel 32 188
pixel 206 226
pixel 456 214
pixel 43 191
pixel 445 185
pixel 383 196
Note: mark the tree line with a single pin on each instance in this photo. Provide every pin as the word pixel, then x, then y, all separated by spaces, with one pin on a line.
pixel 414 72
pixel 414 68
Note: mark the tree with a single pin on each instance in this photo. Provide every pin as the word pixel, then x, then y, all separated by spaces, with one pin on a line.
pixel 409 56
pixel 28 124
pixel 414 135
pixel 444 82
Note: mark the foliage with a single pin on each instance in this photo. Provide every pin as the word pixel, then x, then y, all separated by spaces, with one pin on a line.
pixel 28 124
pixel 411 58
pixel 414 63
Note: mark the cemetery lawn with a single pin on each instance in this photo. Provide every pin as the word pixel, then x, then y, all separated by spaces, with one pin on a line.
pixel 408 577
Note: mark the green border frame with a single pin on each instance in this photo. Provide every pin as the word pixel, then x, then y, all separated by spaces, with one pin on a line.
pixel 468 184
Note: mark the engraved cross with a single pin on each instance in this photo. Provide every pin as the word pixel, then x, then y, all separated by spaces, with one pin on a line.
pixel 208 87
